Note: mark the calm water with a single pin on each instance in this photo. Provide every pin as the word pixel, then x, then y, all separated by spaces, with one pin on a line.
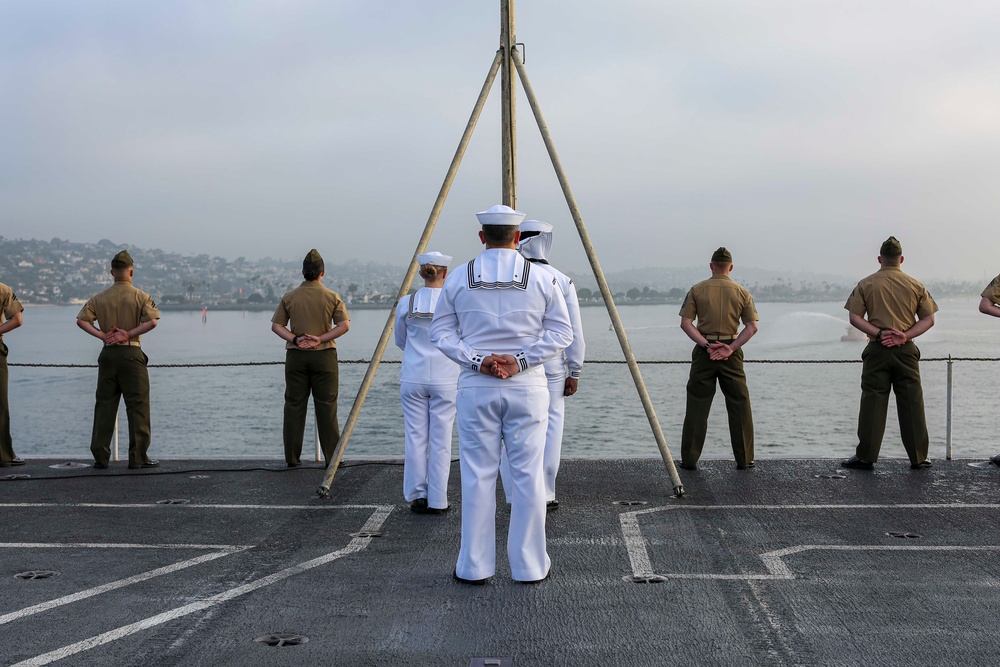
pixel 799 410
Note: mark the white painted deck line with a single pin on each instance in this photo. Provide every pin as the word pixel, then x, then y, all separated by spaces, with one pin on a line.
pixel 121 583
pixel 638 551
pixel 118 545
pixel 356 544
pixel 774 560
pixel 195 505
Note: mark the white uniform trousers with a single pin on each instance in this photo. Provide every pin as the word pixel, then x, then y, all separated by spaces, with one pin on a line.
pixel 428 418
pixel 553 441
pixel 516 416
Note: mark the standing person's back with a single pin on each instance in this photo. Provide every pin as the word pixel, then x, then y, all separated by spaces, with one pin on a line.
pixel 500 320
pixel 562 372
pixel 989 304
pixel 123 313
pixel 10 313
pixel 309 319
pixel 898 309
pixel 718 304
pixel 427 387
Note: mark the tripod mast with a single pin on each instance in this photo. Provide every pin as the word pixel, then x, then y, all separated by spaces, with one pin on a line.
pixel 508 110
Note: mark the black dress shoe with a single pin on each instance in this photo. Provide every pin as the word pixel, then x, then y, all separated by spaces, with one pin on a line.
pixel 151 463
pixel 926 463
pixel 471 582
pixel 689 466
pixel 858 464
pixel 419 505
pixel 552 506
pixel 995 460
pixel 437 510
pixel 294 465
pixel 99 465
pixel 744 467
pixel 16 461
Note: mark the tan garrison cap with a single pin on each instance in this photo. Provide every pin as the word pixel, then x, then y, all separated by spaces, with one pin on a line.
pixel 122 260
pixel 891 248
pixel 722 256
pixel 313 257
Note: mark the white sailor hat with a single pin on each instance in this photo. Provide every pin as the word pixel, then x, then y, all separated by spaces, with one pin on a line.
pixel 500 215
pixel 536 240
pixel 535 226
pixel 435 258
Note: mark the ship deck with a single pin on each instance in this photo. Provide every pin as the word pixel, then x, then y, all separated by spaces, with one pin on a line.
pixel 794 562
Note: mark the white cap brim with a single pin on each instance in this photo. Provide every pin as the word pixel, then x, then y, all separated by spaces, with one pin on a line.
pixel 535 226
pixel 500 215
pixel 435 258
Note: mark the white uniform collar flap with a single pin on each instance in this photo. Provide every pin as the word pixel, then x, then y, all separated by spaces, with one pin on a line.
pixel 499 268
pixel 422 303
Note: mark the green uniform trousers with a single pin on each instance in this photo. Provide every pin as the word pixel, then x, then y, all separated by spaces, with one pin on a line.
pixel 897 368
pixel 6 444
pixel 313 371
pixel 701 391
pixel 121 372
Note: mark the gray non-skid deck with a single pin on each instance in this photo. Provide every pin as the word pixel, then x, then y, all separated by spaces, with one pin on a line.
pixel 777 565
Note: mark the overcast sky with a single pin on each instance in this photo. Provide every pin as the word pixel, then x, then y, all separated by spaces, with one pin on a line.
pixel 800 134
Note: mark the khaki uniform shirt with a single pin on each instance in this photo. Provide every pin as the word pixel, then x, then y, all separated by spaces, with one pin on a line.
pixel 122 305
pixel 9 305
pixel 310 307
pixel 992 291
pixel 719 304
pixel 891 298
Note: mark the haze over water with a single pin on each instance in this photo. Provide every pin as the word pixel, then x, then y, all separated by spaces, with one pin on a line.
pixel 800 410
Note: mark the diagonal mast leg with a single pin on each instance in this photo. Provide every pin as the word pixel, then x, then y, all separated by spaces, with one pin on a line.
pixel 574 210
pixel 404 288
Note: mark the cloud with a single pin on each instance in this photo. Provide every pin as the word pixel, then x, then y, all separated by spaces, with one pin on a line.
pixel 259 128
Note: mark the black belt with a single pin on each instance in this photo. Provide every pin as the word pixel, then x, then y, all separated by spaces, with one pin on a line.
pixel 717 338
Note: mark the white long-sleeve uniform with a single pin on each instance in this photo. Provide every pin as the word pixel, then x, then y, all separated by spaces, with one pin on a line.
pixel 501 304
pixel 428 383
pixel 557 369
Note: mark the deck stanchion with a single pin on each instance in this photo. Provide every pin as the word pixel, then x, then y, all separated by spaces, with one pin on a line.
pixel 404 288
pixel 948 442
pixel 115 453
pixel 574 210
pixel 319 450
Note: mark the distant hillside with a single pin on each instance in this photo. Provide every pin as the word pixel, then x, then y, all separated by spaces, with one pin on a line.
pixel 59 272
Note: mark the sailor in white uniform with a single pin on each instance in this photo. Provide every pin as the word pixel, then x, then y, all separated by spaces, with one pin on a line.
pixel 427 386
pixel 500 319
pixel 563 371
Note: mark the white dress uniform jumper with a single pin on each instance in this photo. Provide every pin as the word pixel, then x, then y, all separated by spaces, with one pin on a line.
pixel 428 383
pixel 501 304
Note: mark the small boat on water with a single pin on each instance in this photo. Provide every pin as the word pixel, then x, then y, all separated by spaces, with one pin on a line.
pixel 853 335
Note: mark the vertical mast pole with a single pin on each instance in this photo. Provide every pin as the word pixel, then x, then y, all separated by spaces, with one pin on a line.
pixel 508 111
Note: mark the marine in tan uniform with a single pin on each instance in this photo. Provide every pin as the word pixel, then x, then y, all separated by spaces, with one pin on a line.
pixel 899 309
pixel 990 305
pixel 309 319
pixel 718 304
pixel 123 314
pixel 11 309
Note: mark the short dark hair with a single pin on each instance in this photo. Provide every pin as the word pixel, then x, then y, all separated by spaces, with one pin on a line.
pixel 311 270
pixel 500 234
